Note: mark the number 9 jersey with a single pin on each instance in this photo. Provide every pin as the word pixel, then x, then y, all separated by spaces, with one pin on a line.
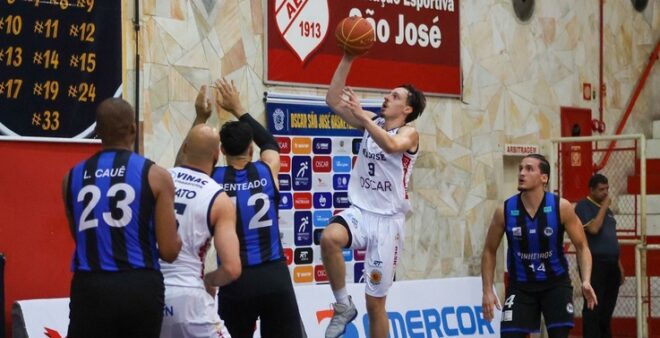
pixel 111 203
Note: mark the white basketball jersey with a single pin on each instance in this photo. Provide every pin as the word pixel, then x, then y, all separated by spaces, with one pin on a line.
pixel 195 193
pixel 379 181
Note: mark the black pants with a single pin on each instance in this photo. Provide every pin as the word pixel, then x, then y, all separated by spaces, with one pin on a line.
pixel 116 304
pixel 605 279
pixel 263 292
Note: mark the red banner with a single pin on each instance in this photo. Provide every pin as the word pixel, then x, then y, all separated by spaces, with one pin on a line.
pixel 417 41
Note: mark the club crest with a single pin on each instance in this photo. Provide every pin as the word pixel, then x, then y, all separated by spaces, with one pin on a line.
pixel 303 24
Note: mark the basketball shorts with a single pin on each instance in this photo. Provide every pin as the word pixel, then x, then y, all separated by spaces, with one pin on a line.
pixel 523 306
pixel 190 312
pixel 382 237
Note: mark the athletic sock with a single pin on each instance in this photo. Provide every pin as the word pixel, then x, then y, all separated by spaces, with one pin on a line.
pixel 341 296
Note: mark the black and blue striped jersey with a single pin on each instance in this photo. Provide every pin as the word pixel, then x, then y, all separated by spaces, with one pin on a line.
pixel 112 205
pixel 535 252
pixel 256 198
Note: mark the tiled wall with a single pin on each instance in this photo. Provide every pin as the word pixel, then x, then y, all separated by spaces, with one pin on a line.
pixel 516 76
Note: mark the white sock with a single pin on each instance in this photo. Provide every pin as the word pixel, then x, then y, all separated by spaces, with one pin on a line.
pixel 341 296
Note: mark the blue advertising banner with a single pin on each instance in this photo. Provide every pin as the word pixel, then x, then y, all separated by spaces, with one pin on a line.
pixel 317 152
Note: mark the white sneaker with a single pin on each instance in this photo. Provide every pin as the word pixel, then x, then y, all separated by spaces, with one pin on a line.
pixel 343 315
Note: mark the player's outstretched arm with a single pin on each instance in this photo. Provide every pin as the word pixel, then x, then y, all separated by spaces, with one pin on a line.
pixel 575 232
pixel 229 99
pixel 225 240
pixel 488 258
pixel 335 97
pixel 202 113
pixel 169 242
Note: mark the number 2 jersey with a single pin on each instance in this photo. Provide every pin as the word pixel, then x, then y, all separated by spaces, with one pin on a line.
pixel 256 198
pixel 195 193
pixel 379 181
pixel 536 250
pixel 112 205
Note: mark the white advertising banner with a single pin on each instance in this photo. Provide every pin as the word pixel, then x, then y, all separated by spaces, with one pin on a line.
pixel 431 308
pixel 42 317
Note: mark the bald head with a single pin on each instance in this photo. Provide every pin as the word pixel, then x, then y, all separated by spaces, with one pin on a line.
pixel 202 146
pixel 115 121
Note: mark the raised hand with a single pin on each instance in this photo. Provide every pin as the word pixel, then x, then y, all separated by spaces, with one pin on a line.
pixel 355 107
pixel 228 98
pixel 203 106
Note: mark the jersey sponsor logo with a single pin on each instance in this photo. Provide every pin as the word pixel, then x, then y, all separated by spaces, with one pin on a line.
pixel 368 183
pixel 302 221
pixel 302 173
pixel 322 145
pixel 187 178
pixel 303 256
pixel 516 231
pixel 340 200
pixel 321 218
pixel 547 209
pixel 379 156
pixel 341 164
pixel 288 253
pixel 285 182
pixel 340 181
pixel 303 274
pixel 301 145
pixel 569 308
pixel 548 231
pixel 286 200
pixel 317 236
pixel 302 200
pixel 515 212
pixel 322 164
pixel 284 143
pixel 285 164
pixel 356 145
pixel 322 200
pixel 319 274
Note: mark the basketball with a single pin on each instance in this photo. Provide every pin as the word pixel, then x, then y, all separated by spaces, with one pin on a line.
pixel 355 35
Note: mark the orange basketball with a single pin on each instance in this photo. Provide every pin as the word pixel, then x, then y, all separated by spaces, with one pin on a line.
pixel 355 35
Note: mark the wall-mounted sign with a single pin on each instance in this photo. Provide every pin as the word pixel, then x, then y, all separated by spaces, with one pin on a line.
pixel 417 42
pixel 520 149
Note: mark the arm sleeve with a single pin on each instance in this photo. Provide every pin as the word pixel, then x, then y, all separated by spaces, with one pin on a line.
pixel 262 137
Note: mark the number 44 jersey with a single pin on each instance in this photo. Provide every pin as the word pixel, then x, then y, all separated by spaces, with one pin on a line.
pixel 256 198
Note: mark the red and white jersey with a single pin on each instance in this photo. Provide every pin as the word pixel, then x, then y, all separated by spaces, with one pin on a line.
pixel 195 193
pixel 379 181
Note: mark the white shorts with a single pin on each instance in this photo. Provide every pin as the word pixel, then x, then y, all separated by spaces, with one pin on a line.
pixel 382 237
pixel 190 312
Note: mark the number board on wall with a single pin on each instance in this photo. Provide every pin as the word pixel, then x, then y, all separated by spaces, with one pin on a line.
pixel 58 60
pixel 317 151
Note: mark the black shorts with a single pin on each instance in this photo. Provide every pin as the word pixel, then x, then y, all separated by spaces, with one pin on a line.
pixel 116 304
pixel 524 303
pixel 265 292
